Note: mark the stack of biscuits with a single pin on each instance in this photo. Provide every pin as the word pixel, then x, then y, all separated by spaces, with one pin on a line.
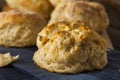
pixel 66 32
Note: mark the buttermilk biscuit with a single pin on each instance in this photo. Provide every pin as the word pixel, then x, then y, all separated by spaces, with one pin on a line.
pixel 56 2
pixel 91 12
pixel 42 7
pixel 70 48
pixel 19 29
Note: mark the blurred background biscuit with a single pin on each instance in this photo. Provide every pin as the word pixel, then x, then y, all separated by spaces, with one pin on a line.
pixel 91 12
pixel 43 7
pixel 56 2
pixel 19 29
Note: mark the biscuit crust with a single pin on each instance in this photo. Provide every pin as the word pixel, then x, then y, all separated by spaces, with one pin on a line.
pixel 91 12
pixel 57 2
pixel 43 7
pixel 19 29
pixel 70 48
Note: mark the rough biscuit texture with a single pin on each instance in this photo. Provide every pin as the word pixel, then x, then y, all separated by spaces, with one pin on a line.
pixel 57 2
pixel 91 12
pixel 70 48
pixel 42 7
pixel 19 29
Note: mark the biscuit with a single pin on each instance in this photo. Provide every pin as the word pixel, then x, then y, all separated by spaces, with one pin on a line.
pixel 70 48
pixel 43 7
pixel 19 29
pixel 91 12
pixel 57 2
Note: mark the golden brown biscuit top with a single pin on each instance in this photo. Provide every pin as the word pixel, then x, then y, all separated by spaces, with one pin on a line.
pixel 42 7
pixel 35 5
pixel 83 10
pixel 18 17
pixel 76 32
pixel 62 26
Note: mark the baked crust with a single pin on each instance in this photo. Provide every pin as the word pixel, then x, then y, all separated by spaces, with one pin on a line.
pixel 70 48
pixel 19 29
pixel 43 7
pixel 91 12
pixel 57 2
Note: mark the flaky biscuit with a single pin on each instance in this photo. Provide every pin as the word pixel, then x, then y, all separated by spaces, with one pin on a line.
pixel 19 29
pixel 91 12
pixel 42 7
pixel 57 2
pixel 70 48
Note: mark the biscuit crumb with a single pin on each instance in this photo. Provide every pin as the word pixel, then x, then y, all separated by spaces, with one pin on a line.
pixel 7 58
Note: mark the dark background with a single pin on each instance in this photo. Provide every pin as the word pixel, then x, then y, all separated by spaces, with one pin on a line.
pixel 113 10
pixel 114 16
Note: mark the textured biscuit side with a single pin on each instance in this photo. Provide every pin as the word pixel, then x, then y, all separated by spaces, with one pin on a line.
pixel 19 29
